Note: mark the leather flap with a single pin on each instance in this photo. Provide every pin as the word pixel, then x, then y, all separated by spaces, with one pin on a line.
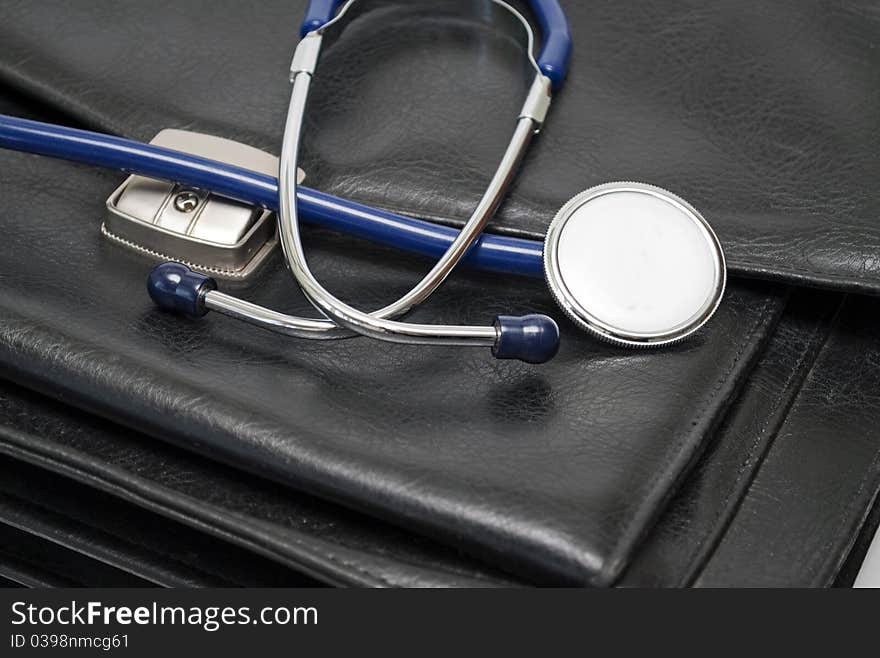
pixel 763 115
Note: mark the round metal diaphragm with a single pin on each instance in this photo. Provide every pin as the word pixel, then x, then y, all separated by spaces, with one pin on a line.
pixel 634 264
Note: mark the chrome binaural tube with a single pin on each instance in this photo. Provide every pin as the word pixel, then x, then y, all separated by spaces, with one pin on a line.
pixel 302 67
pixel 531 338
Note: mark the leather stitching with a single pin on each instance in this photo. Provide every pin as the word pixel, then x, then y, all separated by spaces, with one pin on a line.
pixel 868 473
pixel 775 404
pixel 18 450
pixel 124 540
pixel 675 450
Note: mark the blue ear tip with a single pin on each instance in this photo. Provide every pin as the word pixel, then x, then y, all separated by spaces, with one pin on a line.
pixel 530 338
pixel 175 287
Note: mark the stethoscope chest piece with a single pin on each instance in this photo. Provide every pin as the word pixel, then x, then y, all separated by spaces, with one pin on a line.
pixel 634 264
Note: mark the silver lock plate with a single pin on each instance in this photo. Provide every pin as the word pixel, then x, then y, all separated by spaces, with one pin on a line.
pixel 210 233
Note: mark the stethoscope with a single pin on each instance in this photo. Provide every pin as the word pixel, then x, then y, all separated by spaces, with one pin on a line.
pixel 628 262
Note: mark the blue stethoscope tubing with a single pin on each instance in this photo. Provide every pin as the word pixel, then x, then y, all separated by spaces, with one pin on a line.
pixel 492 253
pixel 555 41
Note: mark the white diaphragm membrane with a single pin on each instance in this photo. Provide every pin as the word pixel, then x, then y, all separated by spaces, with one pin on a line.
pixel 634 264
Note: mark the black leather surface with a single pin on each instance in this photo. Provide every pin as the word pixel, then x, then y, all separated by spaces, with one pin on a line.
pixel 333 544
pixel 687 533
pixel 553 473
pixel 148 546
pixel 821 477
pixel 31 561
pixel 763 115
pixel 163 478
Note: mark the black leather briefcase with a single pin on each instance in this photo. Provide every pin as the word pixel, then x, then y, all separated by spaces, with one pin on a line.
pixel 141 448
